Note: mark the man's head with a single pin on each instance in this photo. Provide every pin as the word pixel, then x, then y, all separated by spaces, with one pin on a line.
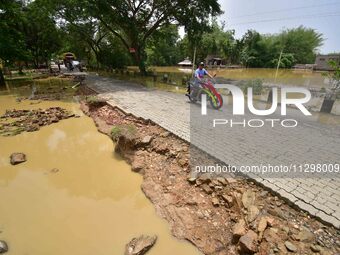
pixel 201 65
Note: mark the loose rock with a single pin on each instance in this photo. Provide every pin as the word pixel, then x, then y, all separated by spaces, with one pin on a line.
pixel 215 201
pixel 315 248
pixel 229 200
pixel 248 198
pixel 204 178
pixel 147 139
pixel 305 236
pixel 17 158
pixel 239 230
pixel 262 226
pixel 3 246
pixel 207 189
pixel 248 242
pixel 192 180
pixel 137 165
pixel 253 212
pixel 140 245
pixel 291 247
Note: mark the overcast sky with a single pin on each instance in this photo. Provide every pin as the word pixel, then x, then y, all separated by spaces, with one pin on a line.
pixel 271 16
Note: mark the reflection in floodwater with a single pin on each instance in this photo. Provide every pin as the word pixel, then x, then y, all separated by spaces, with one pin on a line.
pixel 285 76
pixel 73 195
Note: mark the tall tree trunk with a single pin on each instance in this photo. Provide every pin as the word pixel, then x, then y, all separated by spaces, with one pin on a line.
pixel 2 79
pixel 139 57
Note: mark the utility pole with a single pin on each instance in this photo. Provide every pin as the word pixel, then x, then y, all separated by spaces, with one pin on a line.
pixel 193 62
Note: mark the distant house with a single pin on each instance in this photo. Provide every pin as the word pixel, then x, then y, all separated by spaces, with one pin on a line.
pixel 304 66
pixel 214 60
pixel 321 61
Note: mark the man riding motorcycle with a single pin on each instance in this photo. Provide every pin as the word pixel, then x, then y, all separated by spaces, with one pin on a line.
pixel 199 75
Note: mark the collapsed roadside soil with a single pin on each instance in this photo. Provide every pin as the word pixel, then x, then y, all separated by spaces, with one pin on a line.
pixel 219 216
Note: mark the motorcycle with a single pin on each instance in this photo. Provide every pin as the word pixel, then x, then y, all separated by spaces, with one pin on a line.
pixel 207 88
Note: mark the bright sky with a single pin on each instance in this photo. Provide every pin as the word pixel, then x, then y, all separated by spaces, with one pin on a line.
pixel 271 16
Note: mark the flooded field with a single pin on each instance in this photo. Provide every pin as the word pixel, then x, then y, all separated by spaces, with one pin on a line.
pixel 285 76
pixel 73 195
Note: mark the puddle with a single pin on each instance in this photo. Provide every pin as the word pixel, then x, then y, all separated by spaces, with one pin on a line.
pixel 73 195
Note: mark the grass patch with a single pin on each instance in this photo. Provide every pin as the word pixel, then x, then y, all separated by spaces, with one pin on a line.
pixel 94 101
pixel 127 130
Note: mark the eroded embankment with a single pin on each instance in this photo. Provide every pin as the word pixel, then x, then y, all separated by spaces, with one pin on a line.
pixel 219 216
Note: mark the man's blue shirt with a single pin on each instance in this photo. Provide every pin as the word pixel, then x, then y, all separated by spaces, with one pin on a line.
pixel 200 73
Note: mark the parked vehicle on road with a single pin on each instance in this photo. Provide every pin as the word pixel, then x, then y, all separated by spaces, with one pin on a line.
pixel 71 63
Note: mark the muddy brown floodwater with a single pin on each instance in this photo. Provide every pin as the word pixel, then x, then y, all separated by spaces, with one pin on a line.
pixel 73 195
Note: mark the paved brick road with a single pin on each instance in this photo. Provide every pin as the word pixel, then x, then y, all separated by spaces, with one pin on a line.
pixel 245 146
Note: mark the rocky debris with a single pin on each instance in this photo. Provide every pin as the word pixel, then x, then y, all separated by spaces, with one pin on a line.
pixel 248 198
pixel 270 221
pixel 192 180
pixel 253 212
pixel 290 247
pixel 17 158
pixel 248 242
pixel 239 230
pixel 3 247
pixel 208 210
pixel 222 180
pixel 164 134
pixel 316 248
pixel 207 189
pixel 215 201
pixel 14 122
pixel 137 166
pixel 140 245
pixel 229 200
pixel 261 227
pixel 146 140
pixel 204 178
pixel 305 236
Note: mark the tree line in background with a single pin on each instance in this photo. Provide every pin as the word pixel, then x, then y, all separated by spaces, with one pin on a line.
pixel 114 34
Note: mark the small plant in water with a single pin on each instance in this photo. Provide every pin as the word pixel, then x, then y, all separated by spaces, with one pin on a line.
pixel 334 76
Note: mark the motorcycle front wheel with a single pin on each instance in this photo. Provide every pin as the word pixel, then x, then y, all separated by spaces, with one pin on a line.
pixel 216 103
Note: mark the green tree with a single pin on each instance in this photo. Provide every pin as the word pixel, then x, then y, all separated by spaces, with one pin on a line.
pixel 12 40
pixel 302 42
pixel 133 22
pixel 253 50
pixel 162 48
pixel 217 41
pixel 42 37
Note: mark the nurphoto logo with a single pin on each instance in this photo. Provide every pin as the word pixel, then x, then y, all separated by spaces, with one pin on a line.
pixel 239 106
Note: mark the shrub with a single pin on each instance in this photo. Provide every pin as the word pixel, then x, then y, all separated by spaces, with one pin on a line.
pixel 256 84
